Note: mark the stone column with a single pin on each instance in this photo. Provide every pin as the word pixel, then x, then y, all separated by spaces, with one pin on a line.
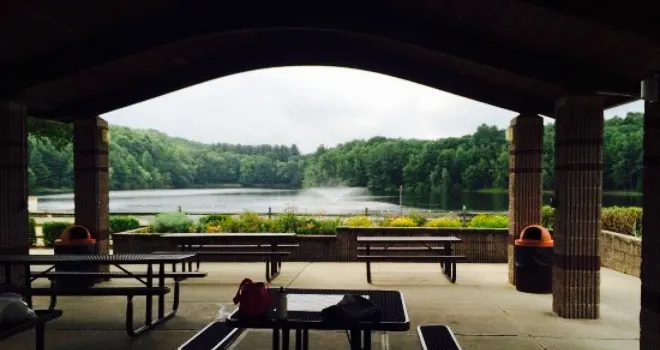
pixel 650 271
pixel 578 189
pixel 525 178
pixel 90 148
pixel 13 185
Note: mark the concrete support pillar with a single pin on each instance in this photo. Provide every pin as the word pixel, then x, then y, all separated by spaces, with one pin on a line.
pixel 525 178
pixel 13 185
pixel 650 273
pixel 578 189
pixel 90 148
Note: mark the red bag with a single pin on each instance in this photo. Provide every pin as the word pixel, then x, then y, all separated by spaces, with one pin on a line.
pixel 254 298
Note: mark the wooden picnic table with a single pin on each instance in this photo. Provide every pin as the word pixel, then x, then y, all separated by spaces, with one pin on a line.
pixel 118 260
pixel 256 235
pixel 440 248
pixel 408 239
pixel 205 244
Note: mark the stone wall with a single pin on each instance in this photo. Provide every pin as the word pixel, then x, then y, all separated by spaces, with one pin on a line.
pixel 479 245
pixel 620 252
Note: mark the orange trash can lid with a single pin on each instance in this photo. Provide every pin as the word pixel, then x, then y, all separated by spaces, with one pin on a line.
pixel 75 235
pixel 535 236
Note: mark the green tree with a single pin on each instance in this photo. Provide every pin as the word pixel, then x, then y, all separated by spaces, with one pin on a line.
pixel 151 159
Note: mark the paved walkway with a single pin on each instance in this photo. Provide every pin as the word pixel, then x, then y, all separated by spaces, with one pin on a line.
pixel 484 311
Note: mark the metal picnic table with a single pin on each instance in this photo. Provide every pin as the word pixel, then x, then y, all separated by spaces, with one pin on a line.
pixel 118 260
pixel 304 313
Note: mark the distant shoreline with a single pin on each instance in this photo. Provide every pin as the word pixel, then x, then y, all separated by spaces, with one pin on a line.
pixel 606 192
pixel 52 191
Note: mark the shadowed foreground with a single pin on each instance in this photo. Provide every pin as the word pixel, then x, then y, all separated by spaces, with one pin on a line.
pixel 482 309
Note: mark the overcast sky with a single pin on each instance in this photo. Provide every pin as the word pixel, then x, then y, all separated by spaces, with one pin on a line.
pixel 310 106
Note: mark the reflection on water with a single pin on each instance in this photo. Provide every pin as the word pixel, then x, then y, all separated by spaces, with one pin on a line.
pixel 312 200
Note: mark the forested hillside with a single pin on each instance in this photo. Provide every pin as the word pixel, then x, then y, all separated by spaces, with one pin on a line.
pixel 144 159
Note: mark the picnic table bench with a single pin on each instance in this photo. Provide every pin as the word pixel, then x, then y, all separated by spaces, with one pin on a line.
pixel 38 324
pixel 437 337
pixel 53 277
pixel 389 251
pixel 216 335
pixel 148 289
pixel 266 245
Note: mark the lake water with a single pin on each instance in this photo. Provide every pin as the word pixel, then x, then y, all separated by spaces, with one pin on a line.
pixel 313 200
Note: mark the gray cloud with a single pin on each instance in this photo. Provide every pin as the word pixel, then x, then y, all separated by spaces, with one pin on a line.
pixel 310 106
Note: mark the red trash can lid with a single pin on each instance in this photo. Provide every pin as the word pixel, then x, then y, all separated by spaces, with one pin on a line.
pixel 535 236
pixel 75 235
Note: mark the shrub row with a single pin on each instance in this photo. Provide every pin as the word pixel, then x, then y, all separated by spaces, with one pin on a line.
pixel 624 220
pixel 245 222
pixel 32 226
pixel 52 230
pixel 123 223
pixel 290 222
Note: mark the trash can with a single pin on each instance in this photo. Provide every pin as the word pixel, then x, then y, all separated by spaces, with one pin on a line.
pixel 75 240
pixel 534 256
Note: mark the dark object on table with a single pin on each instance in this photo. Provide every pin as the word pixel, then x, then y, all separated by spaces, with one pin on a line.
pixel 534 257
pixel 38 324
pixel 351 309
pixel 253 298
pixel 75 240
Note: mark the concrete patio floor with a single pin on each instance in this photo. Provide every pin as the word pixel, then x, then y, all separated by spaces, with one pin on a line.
pixel 482 309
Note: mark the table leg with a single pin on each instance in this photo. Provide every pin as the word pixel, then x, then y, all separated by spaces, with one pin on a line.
pixel 273 260
pixel 302 339
pixel 149 299
pixel 8 273
pixel 190 262
pixel 368 263
pixel 356 339
pixel 447 264
pixel 40 335
pixel 367 339
pixel 28 284
pixel 305 339
pixel 285 339
pixel 161 297
pixel 276 339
